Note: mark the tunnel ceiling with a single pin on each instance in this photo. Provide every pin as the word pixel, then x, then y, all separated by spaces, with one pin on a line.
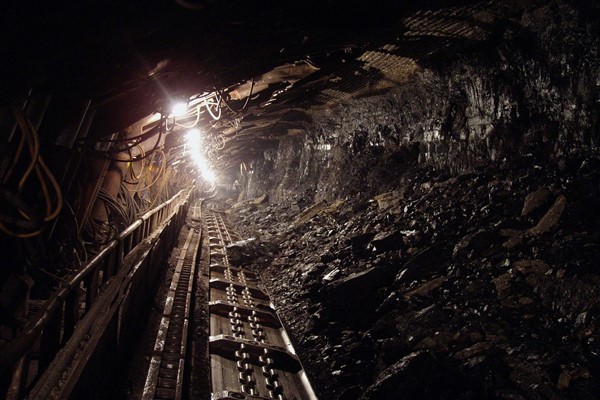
pixel 278 62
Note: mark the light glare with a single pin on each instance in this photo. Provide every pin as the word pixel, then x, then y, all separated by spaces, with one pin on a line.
pixel 179 109
pixel 193 142
pixel 209 176
pixel 192 139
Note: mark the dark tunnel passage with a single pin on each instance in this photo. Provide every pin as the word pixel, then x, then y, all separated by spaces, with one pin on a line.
pixel 274 200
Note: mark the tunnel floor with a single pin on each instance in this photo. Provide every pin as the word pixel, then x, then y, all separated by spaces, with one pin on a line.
pixel 480 285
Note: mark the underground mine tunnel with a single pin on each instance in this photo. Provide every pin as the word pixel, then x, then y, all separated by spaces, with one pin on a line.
pixel 217 199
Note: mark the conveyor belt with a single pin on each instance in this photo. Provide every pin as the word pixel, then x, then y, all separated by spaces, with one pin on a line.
pixel 251 355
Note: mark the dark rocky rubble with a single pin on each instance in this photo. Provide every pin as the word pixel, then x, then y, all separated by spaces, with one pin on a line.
pixel 472 286
pixel 441 241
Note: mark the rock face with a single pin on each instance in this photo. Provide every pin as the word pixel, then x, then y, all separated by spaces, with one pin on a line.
pixel 534 200
pixel 529 96
pixel 551 218
pixel 424 297
pixel 463 263
pixel 353 298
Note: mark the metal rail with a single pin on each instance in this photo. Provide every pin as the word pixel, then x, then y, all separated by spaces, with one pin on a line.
pixel 166 371
pixel 250 353
pixel 77 297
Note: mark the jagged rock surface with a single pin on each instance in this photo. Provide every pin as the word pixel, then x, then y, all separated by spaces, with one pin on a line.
pixel 441 240
pixel 423 296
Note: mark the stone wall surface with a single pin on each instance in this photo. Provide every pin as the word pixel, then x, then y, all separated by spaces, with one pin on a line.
pixel 441 241
pixel 529 94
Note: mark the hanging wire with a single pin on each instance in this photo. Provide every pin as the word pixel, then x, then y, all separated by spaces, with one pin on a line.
pixel 46 179
pixel 195 122
pixel 245 104
pixel 208 107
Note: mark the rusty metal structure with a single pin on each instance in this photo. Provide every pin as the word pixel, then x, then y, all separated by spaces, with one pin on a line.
pixel 165 378
pixel 96 305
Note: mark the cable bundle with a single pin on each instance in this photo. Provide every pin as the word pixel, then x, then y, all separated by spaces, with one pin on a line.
pixel 27 220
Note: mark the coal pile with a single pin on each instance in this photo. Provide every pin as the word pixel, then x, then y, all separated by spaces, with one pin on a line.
pixel 483 285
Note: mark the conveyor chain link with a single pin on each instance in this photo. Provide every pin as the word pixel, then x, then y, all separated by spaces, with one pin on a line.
pixel 245 371
pixel 247 338
pixel 258 333
pixel 237 326
pixel 271 376
pixel 231 294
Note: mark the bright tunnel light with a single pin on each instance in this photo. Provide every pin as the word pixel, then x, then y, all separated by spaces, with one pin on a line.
pixel 205 171
pixel 192 139
pixel 179 109
pixel 193 143
pixel 208 175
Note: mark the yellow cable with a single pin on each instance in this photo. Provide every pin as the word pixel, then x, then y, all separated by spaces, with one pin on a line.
pixel 158 174
pixel 144 170
pixel 45 192
pixel 141 165
pixel 130 164
pixel 158 193
pixel 137 178
pixel 34 146
pixel 56 187
pixel 19 235
pixel 15 158
pixel 37 163
pixel 131 170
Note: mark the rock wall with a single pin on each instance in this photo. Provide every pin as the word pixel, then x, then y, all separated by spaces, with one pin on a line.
pixel 480 285
pixel 529 94
pixel 483 285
